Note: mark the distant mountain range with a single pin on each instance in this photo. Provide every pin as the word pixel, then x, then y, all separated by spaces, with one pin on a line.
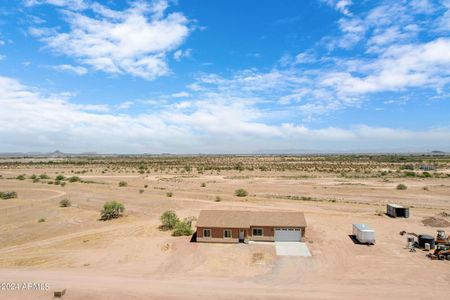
pixel 59 154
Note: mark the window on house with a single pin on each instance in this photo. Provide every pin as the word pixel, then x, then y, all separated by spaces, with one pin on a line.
pixel 227 233
pixel 206 232
pixel 257 232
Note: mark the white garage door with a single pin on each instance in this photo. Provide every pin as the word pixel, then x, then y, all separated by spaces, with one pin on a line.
pixel 288 234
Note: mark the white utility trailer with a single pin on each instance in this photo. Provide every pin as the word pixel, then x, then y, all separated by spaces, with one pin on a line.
pixel 364 233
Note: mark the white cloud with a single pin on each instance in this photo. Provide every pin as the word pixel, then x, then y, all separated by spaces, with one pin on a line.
pixel 180 95
pixel 72 4
pixel 78 70
pixel 210 125
pixel 120 42
pixel 179 54
pixel 399 67
pixel 2 57
pixel 125 105
pixel 340 5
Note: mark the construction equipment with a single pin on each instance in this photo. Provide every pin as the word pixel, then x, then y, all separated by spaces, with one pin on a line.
pixel 442 238
pixel 408 233
pixel 442 252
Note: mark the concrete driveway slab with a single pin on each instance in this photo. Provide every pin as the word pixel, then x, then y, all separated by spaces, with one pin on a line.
pixel 292 249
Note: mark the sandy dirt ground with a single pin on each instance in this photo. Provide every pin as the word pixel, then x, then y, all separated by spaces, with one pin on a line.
pixel 130 258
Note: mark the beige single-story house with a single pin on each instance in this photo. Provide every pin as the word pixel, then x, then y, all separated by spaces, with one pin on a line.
pixel 232 226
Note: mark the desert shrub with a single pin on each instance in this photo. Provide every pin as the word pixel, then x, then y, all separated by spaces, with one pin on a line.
pixel 169 219
pixel 21 177
pixel 183 228
pixel 218 199
pixel 425 188
pixel 169 194
pixel 123 183
pixel 41 220
pixel 240 193
pixel 63 183
pixel 146 186
pixel 59 178
pixel 111 210
pixel 8 195
pixel 74 179
pixel 50 182
pixel 65 203
pixel 203 184
pixel 33 176
pixel 401 186
pixel 141 191
pixel 44 176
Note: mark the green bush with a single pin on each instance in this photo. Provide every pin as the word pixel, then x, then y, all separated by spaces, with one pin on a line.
pixel 111 210
pixel 203 184
pixel 240 193
pixel 21 177
pixel 183 228
pixel 8 195
pixel 123 183
pixel 218 199
pixel 74 179
pixel 41 220
pixel 59 178
pixel 401 186
pixel 169 194
pixel 169 219
pixel 65 203
pixel 44 176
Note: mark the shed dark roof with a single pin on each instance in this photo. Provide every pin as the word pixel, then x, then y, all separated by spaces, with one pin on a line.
pixel 245 219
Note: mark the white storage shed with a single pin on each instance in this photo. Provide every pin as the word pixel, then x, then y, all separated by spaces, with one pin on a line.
pixel 364 233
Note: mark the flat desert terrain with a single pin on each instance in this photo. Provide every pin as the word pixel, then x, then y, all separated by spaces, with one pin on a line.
pixel 130 258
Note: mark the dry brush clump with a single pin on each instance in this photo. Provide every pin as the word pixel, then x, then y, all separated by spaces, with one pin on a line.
pixel 8 195
pixel 401 186
pixel 111 210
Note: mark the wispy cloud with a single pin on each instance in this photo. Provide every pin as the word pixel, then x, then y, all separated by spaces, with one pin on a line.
pixel 78 70
pixel 208 125
pixel 134 41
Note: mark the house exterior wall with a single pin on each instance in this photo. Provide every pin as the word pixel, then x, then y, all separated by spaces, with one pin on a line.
pixel 217 234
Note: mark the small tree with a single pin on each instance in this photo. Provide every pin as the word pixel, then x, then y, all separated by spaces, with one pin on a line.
pixel 169 219
pixel 240 193
pixel 183 228
pixel 401 186
pixel 123 183
pixel 111 210
pixel 65 203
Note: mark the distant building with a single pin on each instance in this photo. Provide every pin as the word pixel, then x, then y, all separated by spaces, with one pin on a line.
pixel 427 167
pixel 230 226
pixel 395 211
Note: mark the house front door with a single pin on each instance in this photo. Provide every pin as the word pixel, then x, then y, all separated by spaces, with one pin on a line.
pixel 241 235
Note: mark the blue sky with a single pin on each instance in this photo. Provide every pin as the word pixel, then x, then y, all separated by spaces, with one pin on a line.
pixel 224 76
